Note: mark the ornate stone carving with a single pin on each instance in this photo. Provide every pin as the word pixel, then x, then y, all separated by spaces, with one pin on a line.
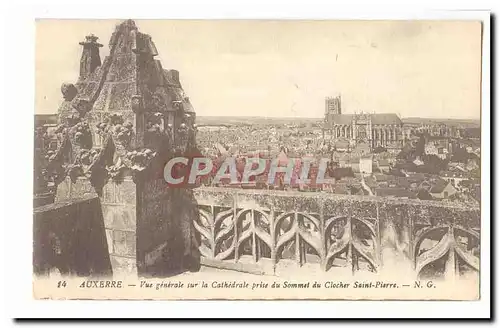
pixel 160 121
pixel 117 170
pixel 71 119
pixel 89 156
pixel 82 106
pixel 115 125
pixel 157 102
pixel 178 105
pixel 81 135
pixel 69 91
pixel 74 171
pixel 154 124
pixel 137 104
pixel 140 159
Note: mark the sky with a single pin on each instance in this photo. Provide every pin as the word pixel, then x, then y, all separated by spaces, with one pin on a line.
pixel 426 69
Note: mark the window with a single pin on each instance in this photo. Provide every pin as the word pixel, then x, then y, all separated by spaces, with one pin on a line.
pixel 445 194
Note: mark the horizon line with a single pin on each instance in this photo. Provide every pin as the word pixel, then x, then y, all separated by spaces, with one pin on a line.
pixel 316 118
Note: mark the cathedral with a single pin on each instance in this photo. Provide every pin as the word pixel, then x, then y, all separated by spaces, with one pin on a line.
pixel 370 130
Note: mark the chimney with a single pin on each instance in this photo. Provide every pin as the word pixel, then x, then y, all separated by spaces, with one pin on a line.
pixel 90 56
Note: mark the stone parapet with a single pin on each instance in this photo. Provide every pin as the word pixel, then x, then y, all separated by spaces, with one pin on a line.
pixel 59 243
pixel 265 231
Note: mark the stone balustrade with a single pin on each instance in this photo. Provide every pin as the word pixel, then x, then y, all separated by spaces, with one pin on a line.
pixel 269 232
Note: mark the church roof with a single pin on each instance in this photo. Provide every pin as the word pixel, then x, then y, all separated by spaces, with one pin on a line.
pixel 389 118
pixel 343 119
pixel 439 186
pixel 379 119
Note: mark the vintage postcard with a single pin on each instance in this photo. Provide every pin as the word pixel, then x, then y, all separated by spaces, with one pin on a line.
pixel 257 159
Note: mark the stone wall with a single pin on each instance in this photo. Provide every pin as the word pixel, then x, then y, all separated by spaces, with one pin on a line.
pixel 147 224
pixel 154 225
pixel 69 236
pixel 119 218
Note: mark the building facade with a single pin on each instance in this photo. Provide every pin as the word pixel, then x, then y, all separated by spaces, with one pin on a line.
pixel 374 130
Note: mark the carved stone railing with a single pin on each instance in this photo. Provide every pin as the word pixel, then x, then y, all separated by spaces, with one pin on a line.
pixel 268 232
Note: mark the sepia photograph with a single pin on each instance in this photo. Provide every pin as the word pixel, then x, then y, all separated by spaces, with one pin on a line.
pixel 257 159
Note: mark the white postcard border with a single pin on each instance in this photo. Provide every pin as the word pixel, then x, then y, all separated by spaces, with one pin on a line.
pixel 18 122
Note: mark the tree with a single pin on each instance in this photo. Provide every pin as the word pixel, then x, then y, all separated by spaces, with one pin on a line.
pixel 420 146
pixel 435 162
pixel 424 195
pixel 379 149
pixel 341 172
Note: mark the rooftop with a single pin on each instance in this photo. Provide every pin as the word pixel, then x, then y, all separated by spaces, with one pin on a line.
pixel 377 119
pixel 438 186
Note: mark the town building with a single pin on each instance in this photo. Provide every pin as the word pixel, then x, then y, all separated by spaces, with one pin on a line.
pixel 442 189
pixel 366 165
pixel 374 130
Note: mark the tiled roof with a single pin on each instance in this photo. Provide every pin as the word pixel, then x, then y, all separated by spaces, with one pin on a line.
pixel 385 119
pixel 416 177
pixel 438 186
pixel 371 182
pixel 450 174
pixel 395 192
pixel 381 177
pixel 383 162
pixel 343 119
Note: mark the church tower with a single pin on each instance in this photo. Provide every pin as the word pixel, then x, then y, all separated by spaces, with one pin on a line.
pixel 333 105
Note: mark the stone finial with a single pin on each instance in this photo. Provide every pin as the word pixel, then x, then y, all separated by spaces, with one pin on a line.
pixel 90 59
pixel 68 91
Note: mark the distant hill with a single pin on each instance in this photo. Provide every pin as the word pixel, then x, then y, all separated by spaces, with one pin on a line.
pixel 253 120
pixel 447 121
pixel 259 120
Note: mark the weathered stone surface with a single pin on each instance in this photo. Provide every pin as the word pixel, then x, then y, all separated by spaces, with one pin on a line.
pixel 122 158
pixel 59 242
pixel 124 243
pixel 126 192
pixel 63 190
pixel 341 205
pixel 361 233
pixel 207 196
pixel 123 266
pixel 109 240
pixel 123 69
pixel 119 217
pixel 69 91
pixel 115 96
pixel 109 193
pixel 82 188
